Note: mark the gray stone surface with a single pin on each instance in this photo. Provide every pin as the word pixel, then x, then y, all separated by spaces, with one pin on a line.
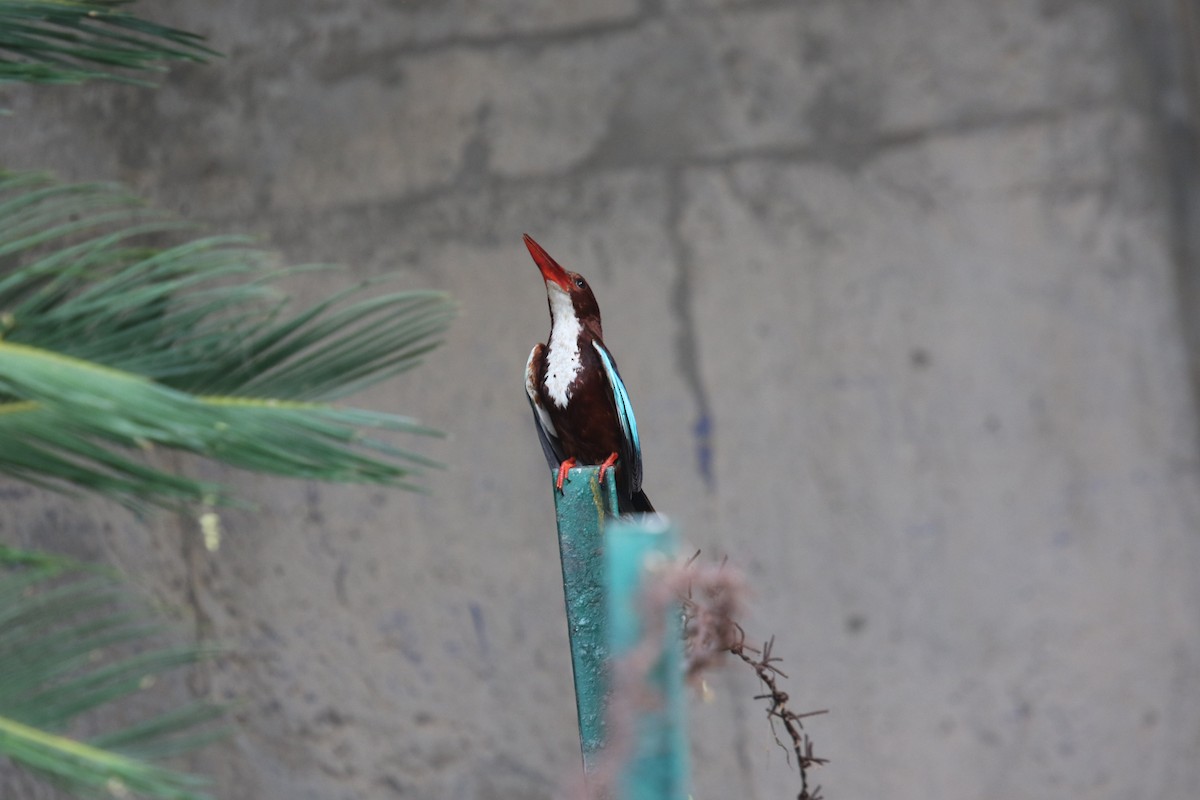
pixel 900 290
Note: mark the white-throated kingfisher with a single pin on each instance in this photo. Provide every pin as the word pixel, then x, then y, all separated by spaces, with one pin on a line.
pixel 580 405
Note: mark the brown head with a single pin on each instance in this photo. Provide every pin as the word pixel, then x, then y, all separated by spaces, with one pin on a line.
pixel 563 282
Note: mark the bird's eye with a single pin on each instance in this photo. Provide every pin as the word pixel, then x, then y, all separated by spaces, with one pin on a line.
pixel 579 282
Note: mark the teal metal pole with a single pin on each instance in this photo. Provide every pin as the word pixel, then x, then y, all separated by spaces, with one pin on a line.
pixel 657 767
pixel 581 509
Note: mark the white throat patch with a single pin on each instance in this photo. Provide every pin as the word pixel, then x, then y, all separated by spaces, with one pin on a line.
pixel 562 358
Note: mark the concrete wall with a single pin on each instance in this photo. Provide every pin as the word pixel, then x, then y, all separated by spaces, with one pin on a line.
pixel 899 291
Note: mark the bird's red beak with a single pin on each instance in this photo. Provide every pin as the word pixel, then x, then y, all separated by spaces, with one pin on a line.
pixel 551 271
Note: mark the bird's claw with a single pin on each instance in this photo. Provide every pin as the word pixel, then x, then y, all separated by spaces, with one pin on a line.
pixel 607 465
pixel 563 469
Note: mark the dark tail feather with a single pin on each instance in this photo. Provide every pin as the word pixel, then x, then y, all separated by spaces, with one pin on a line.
pixel 637 504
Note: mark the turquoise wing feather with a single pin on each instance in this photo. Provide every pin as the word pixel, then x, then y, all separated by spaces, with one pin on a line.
pixel 632 456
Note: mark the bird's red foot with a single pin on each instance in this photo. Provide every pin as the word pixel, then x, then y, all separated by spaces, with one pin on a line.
pixel 607 465
pixel 563 468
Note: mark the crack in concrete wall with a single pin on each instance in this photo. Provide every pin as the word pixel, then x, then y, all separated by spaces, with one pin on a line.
pixel 687 352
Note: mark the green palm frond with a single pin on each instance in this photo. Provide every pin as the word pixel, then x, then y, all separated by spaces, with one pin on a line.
pixel 71 41
pixel 109 347
pixel 71 643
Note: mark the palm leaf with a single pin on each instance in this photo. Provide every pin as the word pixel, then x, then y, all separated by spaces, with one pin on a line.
pixel 71 41
pixel 71 643
pixel 112 348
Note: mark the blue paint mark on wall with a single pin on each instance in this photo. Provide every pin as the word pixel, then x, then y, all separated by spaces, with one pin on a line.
pixel 702 430
pixel 480 631
pixel 398 634
pixel 482 665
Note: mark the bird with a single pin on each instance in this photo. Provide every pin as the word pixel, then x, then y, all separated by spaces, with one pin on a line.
pixel 580 405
